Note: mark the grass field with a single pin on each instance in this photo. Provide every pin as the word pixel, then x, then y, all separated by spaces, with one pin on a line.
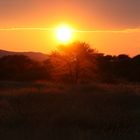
pixel 32 111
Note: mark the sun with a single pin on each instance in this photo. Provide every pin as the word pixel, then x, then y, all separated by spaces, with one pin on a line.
pixel 64 34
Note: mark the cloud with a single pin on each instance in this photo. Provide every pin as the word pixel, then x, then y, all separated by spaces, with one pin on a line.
pixel 129 30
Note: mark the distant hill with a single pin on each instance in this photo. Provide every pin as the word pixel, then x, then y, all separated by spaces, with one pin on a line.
pixel 33 55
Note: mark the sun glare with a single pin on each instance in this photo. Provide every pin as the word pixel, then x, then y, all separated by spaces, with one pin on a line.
pixel 64 34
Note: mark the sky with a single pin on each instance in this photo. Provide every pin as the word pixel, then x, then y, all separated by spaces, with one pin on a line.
pixel 113 25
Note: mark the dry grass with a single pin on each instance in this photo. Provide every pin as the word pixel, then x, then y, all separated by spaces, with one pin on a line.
pixel 71 112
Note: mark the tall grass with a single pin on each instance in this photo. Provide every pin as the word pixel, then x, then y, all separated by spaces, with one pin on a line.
pixel 74 112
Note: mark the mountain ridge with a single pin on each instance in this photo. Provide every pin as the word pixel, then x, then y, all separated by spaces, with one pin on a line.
pixel 38 56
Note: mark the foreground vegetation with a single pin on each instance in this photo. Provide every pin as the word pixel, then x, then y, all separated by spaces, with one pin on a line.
pixel 73 95
pixel 68 112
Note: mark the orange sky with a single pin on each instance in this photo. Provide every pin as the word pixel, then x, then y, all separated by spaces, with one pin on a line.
pixel 106 17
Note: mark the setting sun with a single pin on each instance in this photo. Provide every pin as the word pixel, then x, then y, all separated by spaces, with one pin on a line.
pixel 64 34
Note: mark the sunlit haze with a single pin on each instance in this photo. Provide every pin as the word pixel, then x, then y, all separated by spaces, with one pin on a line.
pixel 112 27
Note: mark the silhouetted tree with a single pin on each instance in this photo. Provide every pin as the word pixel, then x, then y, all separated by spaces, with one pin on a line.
pixel 122 66
pixel 79 60
pixel 75 63
pixel 135 69
pixel 20 67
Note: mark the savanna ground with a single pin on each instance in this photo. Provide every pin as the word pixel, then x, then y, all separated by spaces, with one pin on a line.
pixel 32 111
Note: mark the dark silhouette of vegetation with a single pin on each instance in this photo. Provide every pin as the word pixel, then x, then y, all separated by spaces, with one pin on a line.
pixel 21 68
pixel 50 109
pixel 75 63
